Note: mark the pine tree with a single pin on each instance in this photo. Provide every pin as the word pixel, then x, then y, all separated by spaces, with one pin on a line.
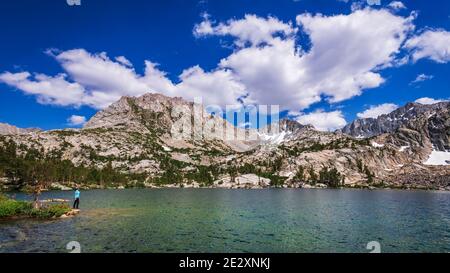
pixel 300 174
pixel 369 175
pixel 312 176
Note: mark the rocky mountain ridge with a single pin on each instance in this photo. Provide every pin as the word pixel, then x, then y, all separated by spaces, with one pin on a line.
pixel 7 129
pixel 153 140
pixel 388 123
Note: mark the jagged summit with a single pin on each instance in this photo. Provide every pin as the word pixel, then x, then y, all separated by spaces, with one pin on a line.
pixel 292 125
pixel 156 112
pixel 285 130
pixel 369 127
pixel 129 111
pixel 171 119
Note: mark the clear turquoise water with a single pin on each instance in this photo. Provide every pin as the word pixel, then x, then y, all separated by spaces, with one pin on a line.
pixel 214 220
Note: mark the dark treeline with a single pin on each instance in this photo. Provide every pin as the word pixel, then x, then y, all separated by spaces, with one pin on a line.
pixel 24 165
pixel 330 177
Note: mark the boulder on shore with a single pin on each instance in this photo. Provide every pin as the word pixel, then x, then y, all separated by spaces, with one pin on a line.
pixel 58 186
pixel 243 181
pixel 71 213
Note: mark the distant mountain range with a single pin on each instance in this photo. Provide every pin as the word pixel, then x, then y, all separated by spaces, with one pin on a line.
pixel 369 127
pixel 408 148
pixel 6 129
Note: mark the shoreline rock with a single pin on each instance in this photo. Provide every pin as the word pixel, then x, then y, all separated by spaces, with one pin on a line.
pixel 247 181
pixel 58 186
pixel 71 213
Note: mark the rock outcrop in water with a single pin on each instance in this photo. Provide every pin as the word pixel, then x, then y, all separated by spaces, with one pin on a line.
pixel 136 136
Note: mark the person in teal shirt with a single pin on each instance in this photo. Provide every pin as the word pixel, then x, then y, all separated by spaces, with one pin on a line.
pixel 76 204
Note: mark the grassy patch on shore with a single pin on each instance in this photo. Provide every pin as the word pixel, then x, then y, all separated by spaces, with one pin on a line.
pixel 10 208
pixel 13 208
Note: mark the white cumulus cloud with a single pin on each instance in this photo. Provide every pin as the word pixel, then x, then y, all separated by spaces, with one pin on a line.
pixel 48 90
pixel 283 74
pixel 422 78
pixel 123 60
pixel 97 81
pixel 323 121
pixel 376 111
pixel 397 5
pixel 427 101
pixel 252 29
pixel 431 44
pixel 344 57
pixel 75 120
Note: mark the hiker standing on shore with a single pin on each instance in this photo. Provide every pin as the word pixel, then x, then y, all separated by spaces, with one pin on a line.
pixel 77 199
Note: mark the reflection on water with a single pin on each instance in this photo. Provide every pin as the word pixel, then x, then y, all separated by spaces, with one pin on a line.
pixel 214 220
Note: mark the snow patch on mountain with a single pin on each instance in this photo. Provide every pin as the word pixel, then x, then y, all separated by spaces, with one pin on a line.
pixel 377 145
pixel 274 139
pixel 438 158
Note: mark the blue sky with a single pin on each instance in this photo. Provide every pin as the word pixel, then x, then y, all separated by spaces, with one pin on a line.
pixel 282 42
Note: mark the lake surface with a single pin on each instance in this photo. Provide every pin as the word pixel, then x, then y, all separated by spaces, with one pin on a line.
pixel 215 220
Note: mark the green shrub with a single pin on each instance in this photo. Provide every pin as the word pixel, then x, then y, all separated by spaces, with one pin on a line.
pixel 51 211
pixel 3 197
pixel 332 177
pixel 9 207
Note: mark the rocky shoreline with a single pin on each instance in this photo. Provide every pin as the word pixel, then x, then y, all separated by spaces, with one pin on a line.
pixel 251 182
pixel 248 181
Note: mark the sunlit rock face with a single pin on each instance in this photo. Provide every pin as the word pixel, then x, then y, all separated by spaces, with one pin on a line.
pixel 389 123
pixel 142 134
pixel 6 129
